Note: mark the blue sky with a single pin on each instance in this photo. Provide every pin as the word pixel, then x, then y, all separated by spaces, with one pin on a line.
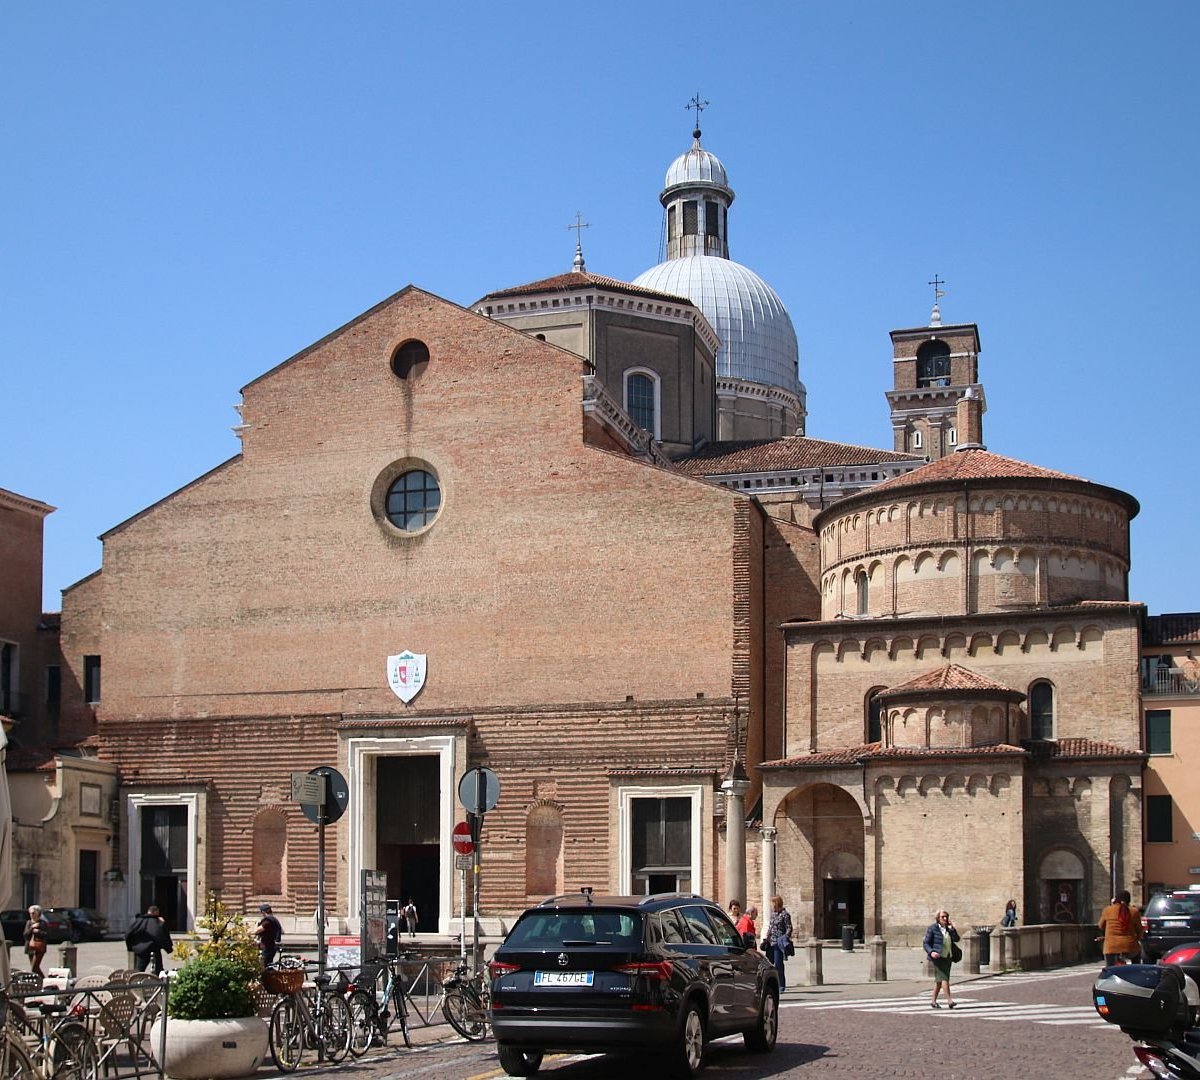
pixel 192 193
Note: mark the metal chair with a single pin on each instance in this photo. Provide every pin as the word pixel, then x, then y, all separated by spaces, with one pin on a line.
pixel 117 1029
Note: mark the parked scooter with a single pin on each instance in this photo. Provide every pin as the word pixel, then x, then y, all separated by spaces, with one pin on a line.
pixel 1158 1007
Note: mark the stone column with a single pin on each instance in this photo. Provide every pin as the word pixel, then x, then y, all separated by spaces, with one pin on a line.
pixel 815 975
pixel 768 834
pixel 735 840
pixel 970 948
pixel 877 950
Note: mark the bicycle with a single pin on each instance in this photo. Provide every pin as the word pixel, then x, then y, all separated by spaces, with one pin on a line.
pixel 47 1040
pixel 305 1020
pixel 465 1003
pixel 371 1020
pixel 14 1058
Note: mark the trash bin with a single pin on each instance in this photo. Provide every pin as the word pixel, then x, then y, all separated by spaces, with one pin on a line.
pixel 985 944
pixel 848 932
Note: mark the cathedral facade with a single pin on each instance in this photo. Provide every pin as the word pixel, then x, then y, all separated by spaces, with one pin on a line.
pixel 700 650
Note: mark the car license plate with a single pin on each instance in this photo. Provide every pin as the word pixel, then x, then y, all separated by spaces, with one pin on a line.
pixel 562 978
pixel 1175 922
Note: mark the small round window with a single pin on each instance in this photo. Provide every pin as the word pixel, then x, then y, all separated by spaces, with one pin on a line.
pixel 413 500
pixel 410 360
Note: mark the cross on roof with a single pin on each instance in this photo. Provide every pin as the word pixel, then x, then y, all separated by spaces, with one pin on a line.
pixel 699 106
pixel 578 225
pixel 938 292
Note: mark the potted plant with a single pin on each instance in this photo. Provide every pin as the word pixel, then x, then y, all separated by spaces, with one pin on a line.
pixel 211 1026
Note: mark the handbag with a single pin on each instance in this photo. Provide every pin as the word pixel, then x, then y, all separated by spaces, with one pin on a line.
pixel 789 949
pixel 37 946
pixel 955 953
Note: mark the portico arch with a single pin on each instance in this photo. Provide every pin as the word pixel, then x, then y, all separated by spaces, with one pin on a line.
pixel 821 857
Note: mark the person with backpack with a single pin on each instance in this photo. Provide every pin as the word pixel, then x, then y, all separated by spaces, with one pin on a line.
pixel 269 933
pixel 409 911
pixel 148 938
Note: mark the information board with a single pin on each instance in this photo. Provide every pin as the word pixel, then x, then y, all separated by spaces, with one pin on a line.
pixel 343 952
pixel 374 915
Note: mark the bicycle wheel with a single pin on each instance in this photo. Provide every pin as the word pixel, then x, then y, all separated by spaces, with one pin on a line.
pixel 15 1061
pixel 73 1053
pixel 400 1009
pixel 362 1022
pixel 286 1035
pixel 461 1009
pixel 335 1026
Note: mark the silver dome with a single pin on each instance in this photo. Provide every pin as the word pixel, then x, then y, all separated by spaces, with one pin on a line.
pixel 696 166
pixel 758 342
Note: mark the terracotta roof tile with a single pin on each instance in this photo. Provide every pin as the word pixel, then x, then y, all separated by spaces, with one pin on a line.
pixel 29 759
pixel 777 455
pixel 1176 628
pixel 948 677
pixel 974 465
pixel 577 280
pixel 874 751
pixel 1078 748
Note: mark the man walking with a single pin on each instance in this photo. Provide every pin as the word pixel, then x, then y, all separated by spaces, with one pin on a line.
pixel 269 932
pixel 148 939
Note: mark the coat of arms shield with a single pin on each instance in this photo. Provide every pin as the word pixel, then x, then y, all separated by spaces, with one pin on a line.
pixel 406 674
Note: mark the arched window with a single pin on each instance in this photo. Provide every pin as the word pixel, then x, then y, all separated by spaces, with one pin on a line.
pixel 933 364
pixel 862 589
pixel 543 851
pixel 641 400
pixel 270 846
pixel 1041 710
pixel 874 715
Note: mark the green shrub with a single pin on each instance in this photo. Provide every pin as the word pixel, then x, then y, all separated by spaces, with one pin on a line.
pixel 210 988
pixel 214 981
pixel 229 938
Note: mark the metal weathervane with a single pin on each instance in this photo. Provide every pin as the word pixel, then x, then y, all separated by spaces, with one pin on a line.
pixel 699 105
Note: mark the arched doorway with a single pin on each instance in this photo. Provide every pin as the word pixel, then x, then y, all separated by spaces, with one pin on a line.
pixel 820 865
pixel 1062 895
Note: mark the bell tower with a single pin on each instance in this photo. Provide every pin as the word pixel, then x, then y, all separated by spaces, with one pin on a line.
pixel 933 367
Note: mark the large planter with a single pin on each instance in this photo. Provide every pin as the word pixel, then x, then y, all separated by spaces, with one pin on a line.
pixel 204 1049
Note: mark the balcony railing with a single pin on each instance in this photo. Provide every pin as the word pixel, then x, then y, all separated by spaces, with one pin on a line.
pixel 1171 681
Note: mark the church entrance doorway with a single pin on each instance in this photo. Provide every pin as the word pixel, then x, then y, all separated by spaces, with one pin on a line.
pixel 843 905
pixel 1061 882
pixel 408 802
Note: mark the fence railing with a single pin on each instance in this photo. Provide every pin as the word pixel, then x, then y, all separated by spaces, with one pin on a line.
pixel 1171 681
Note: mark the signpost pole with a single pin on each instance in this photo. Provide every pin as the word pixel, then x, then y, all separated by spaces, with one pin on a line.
pixel 480 800
pixel 462 938
pixel 322 814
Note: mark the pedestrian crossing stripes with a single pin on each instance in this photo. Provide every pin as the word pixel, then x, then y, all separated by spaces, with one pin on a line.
pixel 972 1008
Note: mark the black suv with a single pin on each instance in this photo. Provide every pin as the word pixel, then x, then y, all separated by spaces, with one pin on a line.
pixel 599 974
pixel 1169 919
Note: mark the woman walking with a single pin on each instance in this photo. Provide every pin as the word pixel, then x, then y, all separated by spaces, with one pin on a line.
pixel 940 943
pixel 35 939
pixel 1122 927
pixel 778 942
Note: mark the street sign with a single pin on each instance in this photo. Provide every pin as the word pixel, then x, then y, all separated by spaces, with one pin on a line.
pixel 337 799
pixel 462 862
pixel 308 788
pixel 479 790
pixel 461 838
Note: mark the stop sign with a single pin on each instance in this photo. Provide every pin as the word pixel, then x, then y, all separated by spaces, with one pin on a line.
pixel 461 838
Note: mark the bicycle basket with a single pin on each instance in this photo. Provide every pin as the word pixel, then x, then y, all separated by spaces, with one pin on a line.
pixel 283 980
